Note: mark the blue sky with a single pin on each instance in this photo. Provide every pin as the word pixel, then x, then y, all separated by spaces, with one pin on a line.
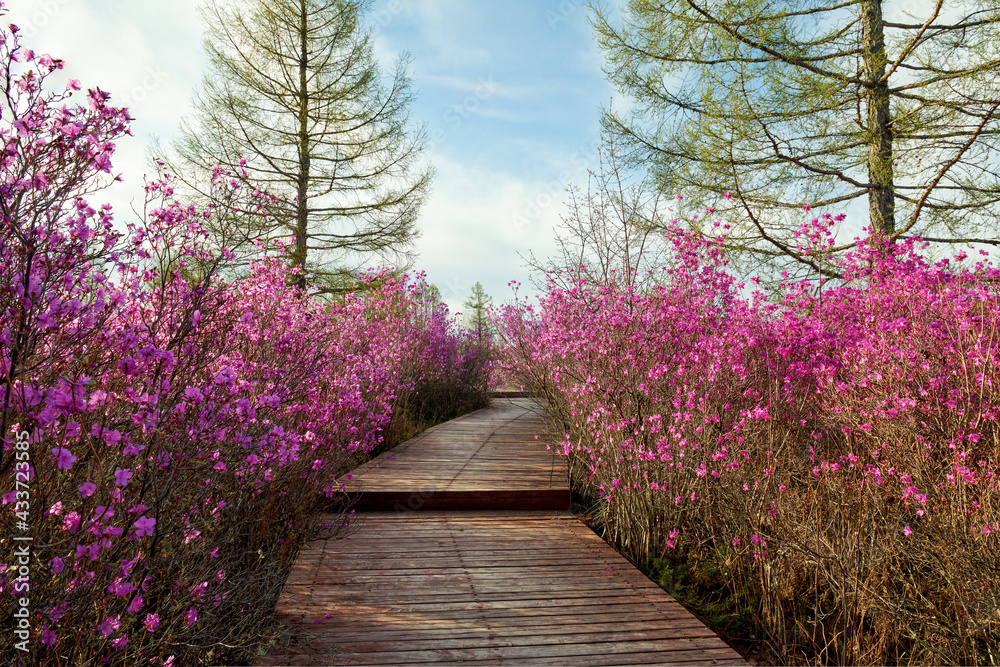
pixel 510 92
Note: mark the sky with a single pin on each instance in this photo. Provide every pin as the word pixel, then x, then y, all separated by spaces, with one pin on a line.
pixel 510 93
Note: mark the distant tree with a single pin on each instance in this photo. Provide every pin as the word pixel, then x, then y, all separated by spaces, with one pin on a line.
pixel 293 86
pixel 785 103
pixel 430 302
pixel 611 231
pixel 478 304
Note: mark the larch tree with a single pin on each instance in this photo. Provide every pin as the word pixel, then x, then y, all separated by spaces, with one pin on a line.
pixel 293 88
pixel 478 304
pixel 786 103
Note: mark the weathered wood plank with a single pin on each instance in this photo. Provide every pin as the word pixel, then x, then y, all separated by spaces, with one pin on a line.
pixel 460 606
pixel 487 460
pixel 511 578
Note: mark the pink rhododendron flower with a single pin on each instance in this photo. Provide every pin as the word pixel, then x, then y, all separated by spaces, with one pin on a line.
pixel 64 458
pixel 120 588
pixel 144 526
pixel 109 625
pixel 152 622
pixel 71 522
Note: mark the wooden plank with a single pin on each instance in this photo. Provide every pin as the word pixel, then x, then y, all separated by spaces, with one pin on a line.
pixel 508 393
pixel 488 460
pixel 465 602
pixel 479 562
pixel 514 627
pixel 569 654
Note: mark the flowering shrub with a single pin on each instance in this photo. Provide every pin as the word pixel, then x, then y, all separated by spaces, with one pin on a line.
pixel 829 452
pixel 187 423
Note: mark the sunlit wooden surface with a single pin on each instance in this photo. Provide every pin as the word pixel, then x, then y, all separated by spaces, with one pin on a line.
pixel 478 586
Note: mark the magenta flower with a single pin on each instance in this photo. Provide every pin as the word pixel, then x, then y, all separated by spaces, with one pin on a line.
pixel 64 458
pixel 144 526
pixel 57 564
pixel 120 588
pixel 152 622
pixel 87 489
pixel 109 625
pixel 226 376
pixel 122 476
pixel 71 522
pixel 48 636
pixel 191 615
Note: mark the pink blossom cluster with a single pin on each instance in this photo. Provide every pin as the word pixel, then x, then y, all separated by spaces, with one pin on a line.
pixel 844 432
pixel 189 417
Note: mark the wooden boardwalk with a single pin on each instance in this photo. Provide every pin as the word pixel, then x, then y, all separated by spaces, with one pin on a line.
pixel 486 460
pixel 482 587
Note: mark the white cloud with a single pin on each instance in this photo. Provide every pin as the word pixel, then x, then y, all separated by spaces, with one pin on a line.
pixel 486 206
pixel 475 224
pixel 147 56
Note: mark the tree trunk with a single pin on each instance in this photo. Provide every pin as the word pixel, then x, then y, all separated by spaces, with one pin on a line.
pixel 302 201
pixel 881 197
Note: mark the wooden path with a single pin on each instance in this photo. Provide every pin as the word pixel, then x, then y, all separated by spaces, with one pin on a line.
pixel 479 586
pixel 486 460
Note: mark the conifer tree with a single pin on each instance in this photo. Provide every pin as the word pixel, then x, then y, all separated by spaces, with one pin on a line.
pixel 294 88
